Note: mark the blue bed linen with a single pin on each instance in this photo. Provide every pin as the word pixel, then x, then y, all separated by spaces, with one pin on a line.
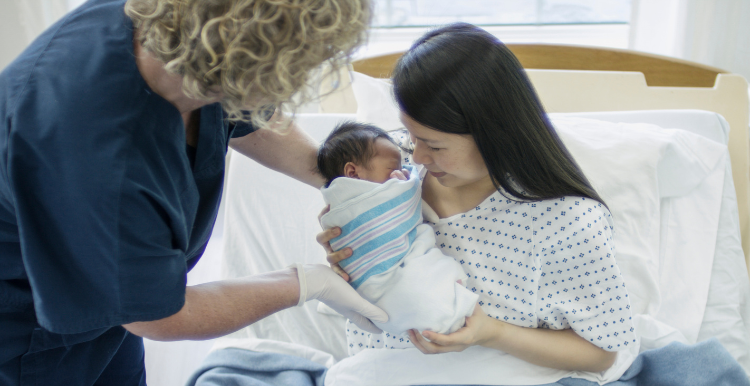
pixel 706 363
pixel 238 367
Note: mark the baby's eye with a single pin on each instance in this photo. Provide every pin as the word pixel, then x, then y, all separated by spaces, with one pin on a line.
pixel 433 148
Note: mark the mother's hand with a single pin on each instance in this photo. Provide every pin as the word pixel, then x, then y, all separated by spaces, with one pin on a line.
pixel 475 332
pixel 332 256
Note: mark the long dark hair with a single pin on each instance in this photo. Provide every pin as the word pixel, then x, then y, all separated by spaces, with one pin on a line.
pixel 460 79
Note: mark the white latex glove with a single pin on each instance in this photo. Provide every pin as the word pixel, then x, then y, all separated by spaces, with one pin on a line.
pixel 318 281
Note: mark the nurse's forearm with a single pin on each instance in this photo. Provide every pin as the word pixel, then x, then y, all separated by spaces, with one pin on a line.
pixel 219 308
pixel 294 153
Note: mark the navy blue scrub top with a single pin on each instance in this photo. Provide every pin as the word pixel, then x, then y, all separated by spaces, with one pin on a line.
pixel 101 211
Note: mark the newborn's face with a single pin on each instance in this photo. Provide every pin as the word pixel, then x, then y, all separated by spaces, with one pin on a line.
pixel 387 159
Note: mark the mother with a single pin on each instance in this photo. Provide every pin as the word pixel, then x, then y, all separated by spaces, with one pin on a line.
pixel 507 201
pixel 114 128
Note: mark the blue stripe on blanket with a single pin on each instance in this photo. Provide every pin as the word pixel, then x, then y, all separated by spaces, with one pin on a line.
pixel 397 223
pixel 384 266
pixel 378 224
pixel 377 211
pixel 393 234
pixel 406 231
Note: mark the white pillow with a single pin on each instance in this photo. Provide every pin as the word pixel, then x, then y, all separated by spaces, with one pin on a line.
pixel 727 312
pixel 375 102
pixel 647 176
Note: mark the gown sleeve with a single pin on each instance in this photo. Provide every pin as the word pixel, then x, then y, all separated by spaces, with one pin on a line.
pixel 580 285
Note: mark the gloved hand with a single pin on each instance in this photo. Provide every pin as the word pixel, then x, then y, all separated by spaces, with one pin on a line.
pixel 317 281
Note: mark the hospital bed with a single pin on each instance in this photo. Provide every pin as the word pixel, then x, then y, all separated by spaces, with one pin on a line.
pixel 679 197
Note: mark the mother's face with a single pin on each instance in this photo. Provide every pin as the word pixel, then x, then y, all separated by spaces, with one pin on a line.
pixel 453 159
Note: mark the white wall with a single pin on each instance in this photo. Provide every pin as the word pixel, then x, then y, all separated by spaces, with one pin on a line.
pixel 718 33
pixel 12 36
pixel 21 21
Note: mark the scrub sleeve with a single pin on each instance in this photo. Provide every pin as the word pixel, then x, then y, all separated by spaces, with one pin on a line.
pixel 102 213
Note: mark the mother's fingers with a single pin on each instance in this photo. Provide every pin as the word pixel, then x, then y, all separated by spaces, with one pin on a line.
pixel 340 271
pixel 442 340
pixel 423 344
pixel 336 257
pixel 333 257
pixel 323 238
pixel 399 175
pixel 416 342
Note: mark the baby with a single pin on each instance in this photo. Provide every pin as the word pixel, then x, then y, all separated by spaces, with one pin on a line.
pixel 378 206
pixel 361 151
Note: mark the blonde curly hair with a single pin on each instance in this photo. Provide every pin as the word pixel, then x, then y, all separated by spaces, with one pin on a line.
pixel 255 52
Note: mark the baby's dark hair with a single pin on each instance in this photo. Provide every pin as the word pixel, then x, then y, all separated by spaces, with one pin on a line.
pixel 348 142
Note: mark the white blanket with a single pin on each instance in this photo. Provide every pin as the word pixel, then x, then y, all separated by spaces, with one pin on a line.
pixel 395 264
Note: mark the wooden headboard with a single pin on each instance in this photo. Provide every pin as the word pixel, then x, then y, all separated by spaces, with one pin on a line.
pixel 660 71
pixel 586 79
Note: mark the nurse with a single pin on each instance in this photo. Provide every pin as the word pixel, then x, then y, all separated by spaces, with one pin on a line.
pixel 114 125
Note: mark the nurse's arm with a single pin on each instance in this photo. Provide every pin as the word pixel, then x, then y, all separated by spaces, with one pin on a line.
pixel 293 153
pixel 219 308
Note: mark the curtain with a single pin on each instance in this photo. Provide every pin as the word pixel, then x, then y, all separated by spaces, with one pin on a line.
pixel 715 32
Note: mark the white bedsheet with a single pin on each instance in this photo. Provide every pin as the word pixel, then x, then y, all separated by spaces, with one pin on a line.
pixel 271 222
pixel 264 233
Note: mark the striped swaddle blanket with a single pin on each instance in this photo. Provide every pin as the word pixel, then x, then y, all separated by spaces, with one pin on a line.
pixel 378 221
pixel 395 264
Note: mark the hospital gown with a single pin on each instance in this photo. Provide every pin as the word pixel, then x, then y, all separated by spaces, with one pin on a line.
pixel 544 264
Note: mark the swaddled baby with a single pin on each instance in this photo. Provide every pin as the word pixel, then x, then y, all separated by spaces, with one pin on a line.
pixel 378 206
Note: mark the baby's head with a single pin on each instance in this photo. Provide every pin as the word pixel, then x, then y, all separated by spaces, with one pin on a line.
pixel 358 150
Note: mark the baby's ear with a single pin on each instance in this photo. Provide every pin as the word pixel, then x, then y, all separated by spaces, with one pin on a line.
pixel 350 170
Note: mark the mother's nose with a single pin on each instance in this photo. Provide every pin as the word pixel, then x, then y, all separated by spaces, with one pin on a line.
pixel 420 154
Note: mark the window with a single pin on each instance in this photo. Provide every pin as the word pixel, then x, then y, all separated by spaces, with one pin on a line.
pixel 416 13
pixel 397 23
